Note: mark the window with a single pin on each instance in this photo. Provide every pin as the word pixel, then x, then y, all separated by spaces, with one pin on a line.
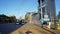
pixel 43 1
pixel 43 10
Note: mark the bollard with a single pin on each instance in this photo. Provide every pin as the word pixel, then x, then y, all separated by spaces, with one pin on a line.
pixel 49 25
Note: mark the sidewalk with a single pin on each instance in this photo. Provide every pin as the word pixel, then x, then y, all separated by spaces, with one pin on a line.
pixel 35 29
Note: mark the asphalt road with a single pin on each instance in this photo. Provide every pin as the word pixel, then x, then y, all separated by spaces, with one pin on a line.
pixel 7 28
pixel 31 28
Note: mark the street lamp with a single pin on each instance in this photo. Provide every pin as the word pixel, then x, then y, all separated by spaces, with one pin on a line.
pixel 41 8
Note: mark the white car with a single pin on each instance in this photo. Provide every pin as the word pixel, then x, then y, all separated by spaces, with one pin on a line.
pixel 17 23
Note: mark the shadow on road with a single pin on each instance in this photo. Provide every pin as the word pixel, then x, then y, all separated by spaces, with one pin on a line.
pixel 45 29
pixel 49 31
pixel 8 28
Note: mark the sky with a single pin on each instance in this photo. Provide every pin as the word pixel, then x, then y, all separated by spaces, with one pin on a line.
pixel 21 7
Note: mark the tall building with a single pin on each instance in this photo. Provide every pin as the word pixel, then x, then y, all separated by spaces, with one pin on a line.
pixel 47 7
pixel 58 16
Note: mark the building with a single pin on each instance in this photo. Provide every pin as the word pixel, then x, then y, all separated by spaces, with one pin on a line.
pixel 32 16
pixel 27 16
pixel 47 7
pixel 58 16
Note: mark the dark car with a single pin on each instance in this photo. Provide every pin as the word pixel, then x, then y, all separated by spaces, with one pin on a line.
pixel 22 22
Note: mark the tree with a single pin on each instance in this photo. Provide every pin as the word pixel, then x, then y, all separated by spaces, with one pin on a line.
pixel 27 18
pixel 12 19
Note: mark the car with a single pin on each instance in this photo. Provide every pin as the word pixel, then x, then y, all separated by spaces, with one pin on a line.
pixel 17 23
pixel 22 22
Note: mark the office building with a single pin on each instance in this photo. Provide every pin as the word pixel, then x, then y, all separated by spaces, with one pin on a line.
pixel 47 7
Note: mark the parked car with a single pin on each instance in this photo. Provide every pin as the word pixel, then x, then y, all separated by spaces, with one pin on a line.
pixel 17 23
pixel 22 22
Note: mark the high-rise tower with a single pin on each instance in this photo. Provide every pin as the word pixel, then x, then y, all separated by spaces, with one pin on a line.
pixel 47 7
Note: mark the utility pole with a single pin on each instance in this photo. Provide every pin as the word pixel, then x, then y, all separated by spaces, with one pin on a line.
pixel 41 8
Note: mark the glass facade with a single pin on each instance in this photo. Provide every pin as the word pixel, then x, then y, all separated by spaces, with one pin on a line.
pixel 43 8
pixel 43 1
pixel 44 12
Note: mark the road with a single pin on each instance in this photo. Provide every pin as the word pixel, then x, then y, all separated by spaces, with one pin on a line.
pixel 7 28
pixel 34 29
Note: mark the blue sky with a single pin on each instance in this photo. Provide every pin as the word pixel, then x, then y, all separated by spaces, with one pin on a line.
pixel 21 7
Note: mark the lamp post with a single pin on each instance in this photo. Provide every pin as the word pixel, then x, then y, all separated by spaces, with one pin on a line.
pixel 41 8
